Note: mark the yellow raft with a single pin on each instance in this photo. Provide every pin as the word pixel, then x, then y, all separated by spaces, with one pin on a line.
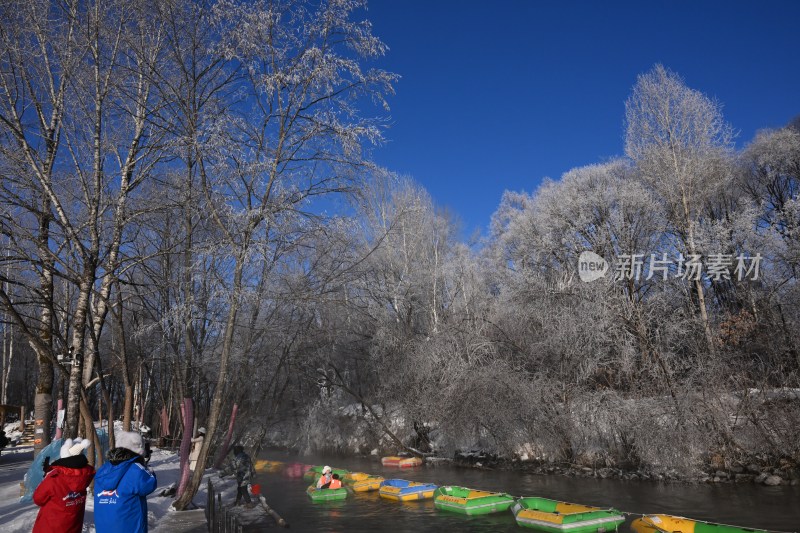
pixel 402 462
pixel 664 523
pixel 361 482
pixel 352 477
pixel 263 465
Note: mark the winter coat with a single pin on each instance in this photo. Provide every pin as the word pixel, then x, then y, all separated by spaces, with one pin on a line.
pixel 197 443
pixel 242 468
pixel 62 495
pixel 121 487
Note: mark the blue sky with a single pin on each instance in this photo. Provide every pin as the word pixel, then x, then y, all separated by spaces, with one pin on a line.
pixel 497 95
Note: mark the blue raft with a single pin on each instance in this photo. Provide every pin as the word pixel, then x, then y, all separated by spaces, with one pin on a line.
pixel 404 491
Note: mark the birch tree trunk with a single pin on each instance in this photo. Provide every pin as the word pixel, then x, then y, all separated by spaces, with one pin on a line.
pixel 43 402
pixel 122 354
pixel 219 392
pixel 75 387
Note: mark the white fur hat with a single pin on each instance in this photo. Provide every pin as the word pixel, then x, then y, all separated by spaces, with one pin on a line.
pixel 74 447
pixel 130 440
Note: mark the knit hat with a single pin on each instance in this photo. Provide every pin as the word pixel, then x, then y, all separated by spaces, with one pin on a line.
pixel 130 440
pixel 74 447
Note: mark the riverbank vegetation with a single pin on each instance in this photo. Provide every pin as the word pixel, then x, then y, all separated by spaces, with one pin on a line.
pixel 189 213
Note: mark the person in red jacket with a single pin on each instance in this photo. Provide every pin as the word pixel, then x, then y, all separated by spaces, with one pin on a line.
pixel 62 493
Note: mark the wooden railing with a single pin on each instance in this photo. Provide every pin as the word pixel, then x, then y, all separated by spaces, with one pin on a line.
pixel 222 519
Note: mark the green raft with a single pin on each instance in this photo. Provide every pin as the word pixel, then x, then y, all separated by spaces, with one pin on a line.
pixel 471 502
pixel 326 495
pixel 553 516
pixel 314 472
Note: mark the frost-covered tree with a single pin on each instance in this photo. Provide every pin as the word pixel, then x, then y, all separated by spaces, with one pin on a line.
pixel 773 181
pixel 76 99
pixel 296 134
pixel 681 144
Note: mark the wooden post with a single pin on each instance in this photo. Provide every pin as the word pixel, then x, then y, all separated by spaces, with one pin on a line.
pixel 58 426
pixel 218 512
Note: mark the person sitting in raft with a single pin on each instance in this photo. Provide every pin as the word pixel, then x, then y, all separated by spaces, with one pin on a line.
pixel 325 479
pixel 335 483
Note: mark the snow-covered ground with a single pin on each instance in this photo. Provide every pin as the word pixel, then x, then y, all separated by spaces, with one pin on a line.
pixel 13 433
pixel 16 517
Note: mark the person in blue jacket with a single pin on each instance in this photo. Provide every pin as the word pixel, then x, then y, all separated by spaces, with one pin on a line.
pixel 121 487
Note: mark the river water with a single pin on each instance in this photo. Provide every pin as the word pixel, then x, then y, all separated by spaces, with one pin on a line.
pixel 776 508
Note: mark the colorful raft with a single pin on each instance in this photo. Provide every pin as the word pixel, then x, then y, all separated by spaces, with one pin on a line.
pixel 553 516
pixel 361 482
pixel 662 523
pixel 352 477
pixel 471 502
pixel 295 470
pixel 404 491
pixel 402 462
pixel 368 484
pixel 326 495
pixel 263 465
pixel 315 471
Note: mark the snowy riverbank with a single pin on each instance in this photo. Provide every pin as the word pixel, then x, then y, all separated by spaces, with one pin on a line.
pixel 17 517
pixel 746 436
pixel 603 436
